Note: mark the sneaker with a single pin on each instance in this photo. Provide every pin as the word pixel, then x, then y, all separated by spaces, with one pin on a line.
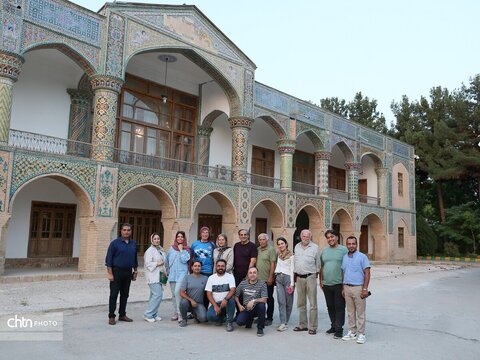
pixel 158 318
pixel 330 331
pixel 174 317
pixel 338 335
pixel 150 320
pixel 229 327
pixel 179 316
pixel 282 327
pixel 350 336
pixel 182 323
pixel 259 332
pixel 268 322
pixel 361 339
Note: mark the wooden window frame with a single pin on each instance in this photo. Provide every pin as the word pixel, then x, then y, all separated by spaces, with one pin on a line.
pixel 401 237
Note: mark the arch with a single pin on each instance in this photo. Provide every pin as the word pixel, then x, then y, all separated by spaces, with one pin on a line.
pixel 314 215
pixel 69 51
pixel 315 223
pixel 191 54
pixel 375 238
pixel 229 213
pixel 345 224
pixel 274 210
pixel 348 153
pixel 374 157
pixel 211 117
pixel 275 125
pixel 86 207
pixel 314 137
pixel 168 206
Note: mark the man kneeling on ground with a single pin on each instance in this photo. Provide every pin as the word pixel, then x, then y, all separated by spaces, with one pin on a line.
pixel 191 292
pixel 254 292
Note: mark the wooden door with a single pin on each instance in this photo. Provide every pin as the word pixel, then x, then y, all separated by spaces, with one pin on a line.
pixel 260 227
pixel 364 239
pixel 214 223
pixel 52 228
pixel 362 190
pixel 144 224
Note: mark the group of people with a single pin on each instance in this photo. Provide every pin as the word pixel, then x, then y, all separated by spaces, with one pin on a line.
pixel 220 284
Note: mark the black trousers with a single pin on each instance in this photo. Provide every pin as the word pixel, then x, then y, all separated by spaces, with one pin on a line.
pixel 270 302
pixel 120 284
pixel 335 305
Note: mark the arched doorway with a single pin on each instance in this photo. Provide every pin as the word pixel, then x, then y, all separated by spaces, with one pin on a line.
pixel 267 217
pixel 149 209
pixel 309 217
pixel 342 223
pixel 372 241
pixel 45 227
pixel 216 211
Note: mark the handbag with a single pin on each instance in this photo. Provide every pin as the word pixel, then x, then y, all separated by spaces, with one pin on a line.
pixel 163 278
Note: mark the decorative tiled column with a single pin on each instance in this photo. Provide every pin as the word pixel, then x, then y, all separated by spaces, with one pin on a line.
pixel 321 163
pixel 106 90
pixel 382 185
pixel 352 175
pixel 79 124
pixel 240 130
pixel 286 148
pixel 10 65
pixel 203 136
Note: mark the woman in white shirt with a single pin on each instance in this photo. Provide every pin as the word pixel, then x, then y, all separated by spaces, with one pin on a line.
pixel 154 264
pixel 285 282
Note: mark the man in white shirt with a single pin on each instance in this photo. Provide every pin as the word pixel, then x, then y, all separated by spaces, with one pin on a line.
pixel 220 290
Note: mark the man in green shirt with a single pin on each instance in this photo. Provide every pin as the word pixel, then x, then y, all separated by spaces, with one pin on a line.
pixel 331 282
pixel 266 262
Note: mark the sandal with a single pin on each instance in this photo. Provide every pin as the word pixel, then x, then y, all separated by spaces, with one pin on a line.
pixel 298 328
pixel 312 332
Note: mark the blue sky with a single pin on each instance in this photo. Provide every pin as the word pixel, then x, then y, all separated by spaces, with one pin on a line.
pixel 316 49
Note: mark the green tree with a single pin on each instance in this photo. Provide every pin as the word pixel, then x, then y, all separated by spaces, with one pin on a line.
pixel 462 226
pixel 335 105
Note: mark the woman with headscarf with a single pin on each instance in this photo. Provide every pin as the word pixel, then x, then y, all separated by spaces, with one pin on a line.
pixel 223 251
pixel 178 258
pixel 154 261
pixel 285 282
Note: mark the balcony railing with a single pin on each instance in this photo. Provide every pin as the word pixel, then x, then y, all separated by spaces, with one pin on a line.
pixel 368 199
pixel 336 194
pixel 265 181
pixel 53 145
pixel 305 188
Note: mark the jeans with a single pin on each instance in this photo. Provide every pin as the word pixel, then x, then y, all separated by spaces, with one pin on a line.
pixel 246 317
pixel 229 311
pixel 120 284
pixel 335 305
pixel 307 288
pixel 285 300
pixel 175 289
pixel 199 312
pixel 156 295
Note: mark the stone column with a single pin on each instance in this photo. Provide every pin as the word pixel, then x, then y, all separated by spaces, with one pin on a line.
pixel 203 136
pixel 286 148
pixel 321 163
pixel 79 124
pixel 382 185
pixel 352 175
pixel 10 65
pixel 106 90
pixel 240 130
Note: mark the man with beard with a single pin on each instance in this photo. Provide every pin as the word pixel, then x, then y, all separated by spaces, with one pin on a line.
pixel 192 290
pixel 220 290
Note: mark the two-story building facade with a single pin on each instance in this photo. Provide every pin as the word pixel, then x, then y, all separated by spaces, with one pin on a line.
pixel 149 114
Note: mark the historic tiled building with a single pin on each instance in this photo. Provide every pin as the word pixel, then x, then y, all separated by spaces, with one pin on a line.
pixel 150 114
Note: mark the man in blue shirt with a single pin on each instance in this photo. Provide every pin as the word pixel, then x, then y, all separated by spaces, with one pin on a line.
pixel 202 250
pixel 356 277
pixel 120 260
